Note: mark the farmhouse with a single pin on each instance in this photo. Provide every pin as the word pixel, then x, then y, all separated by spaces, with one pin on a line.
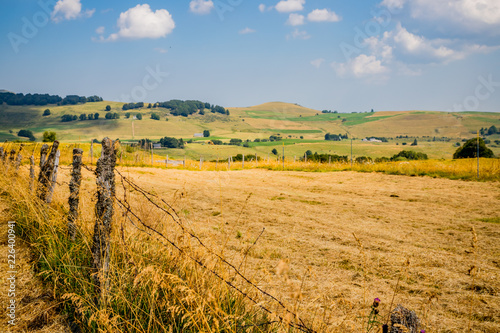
pixel 198 135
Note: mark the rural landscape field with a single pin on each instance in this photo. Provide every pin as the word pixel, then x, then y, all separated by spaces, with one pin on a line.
pixel 229 166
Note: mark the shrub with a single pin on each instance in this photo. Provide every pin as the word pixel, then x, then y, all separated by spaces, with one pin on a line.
pixel 46 112
pixel 469 150
pixel 49 136
pixel 409 155
pixel 155 116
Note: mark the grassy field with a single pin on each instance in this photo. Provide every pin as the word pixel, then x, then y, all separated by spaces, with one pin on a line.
pixel 330 242
pixel 259 122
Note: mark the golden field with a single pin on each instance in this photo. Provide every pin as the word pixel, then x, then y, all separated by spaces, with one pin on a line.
pixel 326 243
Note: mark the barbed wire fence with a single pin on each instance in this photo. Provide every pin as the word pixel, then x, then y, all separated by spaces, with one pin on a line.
pixel 107 200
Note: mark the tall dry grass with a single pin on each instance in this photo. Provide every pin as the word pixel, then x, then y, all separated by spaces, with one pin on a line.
pixel 152 287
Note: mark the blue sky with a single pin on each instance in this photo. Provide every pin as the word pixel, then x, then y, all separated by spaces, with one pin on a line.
pixel 324 54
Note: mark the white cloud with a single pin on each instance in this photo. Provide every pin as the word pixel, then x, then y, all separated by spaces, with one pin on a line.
pixel 161 50
pixel 420 46
pixel 141 22
pixel 361 66
pixel 201 7
pixel 100 30
pixel 393 4
pixel 69 10
pixel 318 62
pixel 295 19
pixel 469 15
pixel 246 31
pixel 287 6
pixel 263 8
pixel 323 15
pixel 298 34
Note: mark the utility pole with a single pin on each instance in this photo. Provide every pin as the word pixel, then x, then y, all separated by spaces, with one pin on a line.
pixel 478 154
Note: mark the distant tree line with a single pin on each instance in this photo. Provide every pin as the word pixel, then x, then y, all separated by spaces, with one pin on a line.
pixel 91 116
pixel 170 142
pixel 44 99
pixel 489 131
pixel 335 137
pixel 185 108
pixel 130 106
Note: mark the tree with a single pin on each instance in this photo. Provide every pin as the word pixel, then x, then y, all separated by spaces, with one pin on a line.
pixel 108 116
pixel 49 136
pixel 138 116
pixel 309 153
pixel 96 116
pixel 25 133
pixel 127 115
pixel 155 116
pixel 206 133
pixel 108 108
pixel 274 151
pixel 46 112
pixel 469 150
pixel 83 116
pixel 415 143
pixel 492 130
pixel 150 106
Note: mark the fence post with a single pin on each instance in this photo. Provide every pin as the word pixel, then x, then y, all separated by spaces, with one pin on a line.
pixel 166 162
pixel 2 154
pixel 201 161
pixel 74 189
pixel 243 162
pixel 184 162
pixel 19 158
pixel 46 170
pixel 91 152
pixel 43 155
pixel 32 173
pixel 229 162
pixel 53 180
pixel 104 215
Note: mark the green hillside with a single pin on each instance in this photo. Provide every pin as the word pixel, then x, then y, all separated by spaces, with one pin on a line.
pixel 301 128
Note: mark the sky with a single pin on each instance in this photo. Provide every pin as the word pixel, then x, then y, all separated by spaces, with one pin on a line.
pixel 349 56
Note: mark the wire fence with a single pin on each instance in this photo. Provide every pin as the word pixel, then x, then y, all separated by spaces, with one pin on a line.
pixel 47 181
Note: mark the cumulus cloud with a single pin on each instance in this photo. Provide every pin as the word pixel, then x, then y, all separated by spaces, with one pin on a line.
pixel 141 22
pixel 295 19
pixel 288 6
pixel 323 15
pixel 246 31
pixel 298 34
pixel 470 15
pixel 100 30
pixel 201 7
pixel 361 66
pixel 393 4
pixel 317 62
pixel 69 10
pixel 263 8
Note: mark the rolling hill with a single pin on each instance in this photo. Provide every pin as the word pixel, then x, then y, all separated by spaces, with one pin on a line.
pixel 301 127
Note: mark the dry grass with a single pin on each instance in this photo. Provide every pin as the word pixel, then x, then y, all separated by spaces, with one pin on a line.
pixel 413 230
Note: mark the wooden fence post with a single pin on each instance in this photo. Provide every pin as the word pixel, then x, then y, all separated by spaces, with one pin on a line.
pixel 91 152
pixel 166 162
pixel 104 216
pixel 43 155
pixel 2 155
pixel 74 189
pixel 243 162
pixel 19 158
pixel 32 173
pixel 53 180
pixel 46 171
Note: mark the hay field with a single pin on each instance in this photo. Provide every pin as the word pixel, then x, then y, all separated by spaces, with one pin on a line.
pixel 417 230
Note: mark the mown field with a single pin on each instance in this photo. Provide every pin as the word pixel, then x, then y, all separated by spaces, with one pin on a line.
pixel 326 244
